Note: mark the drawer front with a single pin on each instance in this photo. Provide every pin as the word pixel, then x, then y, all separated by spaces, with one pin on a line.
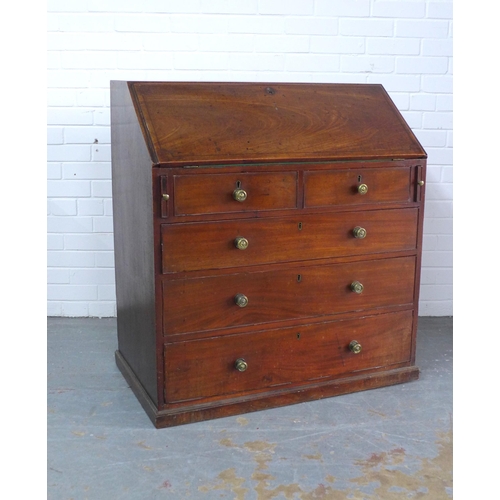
pixel 213 245
pixel 210 303
pixel 234 192
pixel 206 368
pixel 357 187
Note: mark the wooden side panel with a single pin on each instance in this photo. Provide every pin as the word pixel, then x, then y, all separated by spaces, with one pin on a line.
pixel 208 303
pixel 133 240
pixel 192 246
pixel 280 357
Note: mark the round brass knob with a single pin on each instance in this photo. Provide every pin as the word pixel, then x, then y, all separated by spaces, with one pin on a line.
pixel 355 347
pixel 239 194
pixel 241 243
pixel 421 183
pixel 357 287
pixel 359 232
pixel 362 189
pixel 241 300
pixel 240 364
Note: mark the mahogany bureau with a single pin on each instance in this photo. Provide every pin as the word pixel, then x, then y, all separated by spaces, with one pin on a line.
pixel 267 244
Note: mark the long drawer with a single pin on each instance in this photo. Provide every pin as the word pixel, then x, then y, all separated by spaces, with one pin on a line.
pixel 275 358
pixel 249 298
pixel 236 243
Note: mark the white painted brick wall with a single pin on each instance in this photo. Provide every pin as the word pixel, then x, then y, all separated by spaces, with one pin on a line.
pixel 406 45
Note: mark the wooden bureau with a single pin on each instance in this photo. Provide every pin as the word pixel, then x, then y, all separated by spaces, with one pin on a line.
pixel 267 244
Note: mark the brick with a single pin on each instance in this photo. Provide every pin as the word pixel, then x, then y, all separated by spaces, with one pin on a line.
pixel 311 26
pixel 429 242
pixel 105 259
pixel 200 60
pixel 436 308
pixel 68 224
pixel 89 98
pixel 108 206
pixel 439 84
pixel 61 97
pixel 70 259
pixel 54 171
pixel 437 47
pixel 99 276
pixel 101 189
pixel 88 60
pixel 437 259
pixel 397 83
pixel 186 6
pixel 286 7
pixel 395 9
pixel 75 309
pixel 256 24
pixel 87 135
pixel 113 6
pixel 55 135
pixel 55 242
pixel 421 28
pixel 337 45
pixel 258 62
pixel 422 65
pixel 431 138
pixel 143 23
pixel 69 116
pixel 343 8
pixel 401 100
pixel 436 292
pixel 66 6
pixel 57 276
pixel 312 62
pixel 79 22
pixel 95 241
pixel 101 117
pixel 89 171
pixel 367 64
pixel 445 241
pixel 102 309
pixel 53 60
pixel 440 156
pixel 54 309
pixel 447 174
pixel 438 208
pixel 438 120
pixel 101 153
pixel 229 6
pixel 393 46
pixel 94 41
pixel 440 10
pixel 366 27
pixel 67 188
pixel 199 24
pixel 436 275
pixel 90 206
pixel 59 78
pixel 103 224
pixel 61 152
pixel 232 42
pixel 174 42
pixel 281 43
pixel 72 292
pixel 413 118
pixel 62 207
pixel 423 102
pixel 106 292
pixel 438 191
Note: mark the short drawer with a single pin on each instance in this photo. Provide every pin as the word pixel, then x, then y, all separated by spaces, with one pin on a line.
pixel 357 187
pixel 276 358
pixel 238 192
pixel 237 243
pixel 218 302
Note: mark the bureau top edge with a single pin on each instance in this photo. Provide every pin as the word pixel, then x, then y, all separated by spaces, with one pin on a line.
pixel 208 123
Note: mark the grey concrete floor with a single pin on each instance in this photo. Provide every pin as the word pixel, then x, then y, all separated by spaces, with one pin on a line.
pixel 388 443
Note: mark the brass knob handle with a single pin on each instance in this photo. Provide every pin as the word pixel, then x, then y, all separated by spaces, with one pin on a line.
pixel 421 183
pixel 241 300
pixel 239 194
pixel 355 347
pixel 359 232
pixel 165 197
pixel 241 243
pixel 357 287
pixel 240 364
pixel 362 189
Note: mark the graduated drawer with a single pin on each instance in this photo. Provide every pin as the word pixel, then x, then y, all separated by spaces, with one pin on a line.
pixel 212 245
pixel 234 192
pixel 275 358
pixel 357 186
pixel 210 303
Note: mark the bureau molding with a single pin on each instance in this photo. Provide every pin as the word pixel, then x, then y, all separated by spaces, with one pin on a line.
pixel 268 244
